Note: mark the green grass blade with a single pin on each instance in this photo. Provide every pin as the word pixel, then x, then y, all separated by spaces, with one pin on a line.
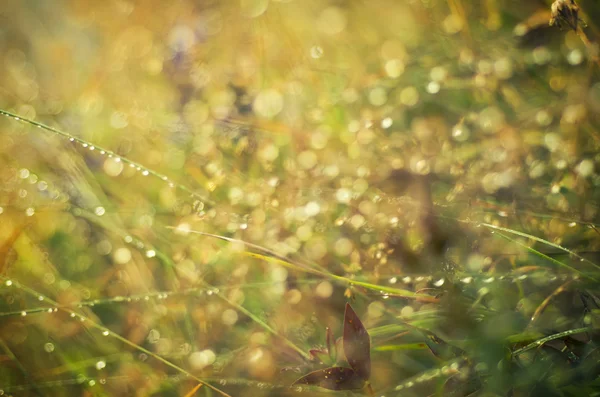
pixel 105 331
pixel 107 152
pixel 542 255
pixel 540 240
pixel 541 341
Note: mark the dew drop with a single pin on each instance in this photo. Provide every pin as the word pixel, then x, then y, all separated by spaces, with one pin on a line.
pixel 122 256
pixel 343 195
pixel 433 87
pixel 24 173
pixel 316 52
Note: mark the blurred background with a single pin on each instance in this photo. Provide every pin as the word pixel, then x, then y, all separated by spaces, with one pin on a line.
pixel 213 180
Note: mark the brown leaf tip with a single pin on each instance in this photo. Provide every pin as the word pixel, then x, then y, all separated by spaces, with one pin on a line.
pixel 357 345
pixel 565 12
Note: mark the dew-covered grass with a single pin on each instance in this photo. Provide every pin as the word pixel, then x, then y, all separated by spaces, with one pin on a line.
pixel 205 198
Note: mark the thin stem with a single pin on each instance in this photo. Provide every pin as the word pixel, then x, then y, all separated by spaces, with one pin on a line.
pixel 107 332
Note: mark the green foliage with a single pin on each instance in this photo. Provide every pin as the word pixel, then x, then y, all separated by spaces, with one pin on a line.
pixel 192 194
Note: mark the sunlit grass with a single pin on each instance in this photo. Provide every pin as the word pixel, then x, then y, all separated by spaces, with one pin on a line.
pixel 191 193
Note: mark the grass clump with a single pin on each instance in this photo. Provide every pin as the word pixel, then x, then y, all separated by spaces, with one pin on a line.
pixel 194 195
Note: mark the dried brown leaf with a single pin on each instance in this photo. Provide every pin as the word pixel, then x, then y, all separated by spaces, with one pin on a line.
pixel 357 346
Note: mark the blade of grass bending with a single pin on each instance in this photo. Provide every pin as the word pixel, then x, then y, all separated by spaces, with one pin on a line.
pixel 257 247
pixel 540 240
pixel 559 335
pixel 272 256
pixel 345 280
pixel 542 255
pixel 388 290
pixel 116 336
pixel 283 263
pixel 495 206
pixel 156 294
pixel 108 152
pixel 546 301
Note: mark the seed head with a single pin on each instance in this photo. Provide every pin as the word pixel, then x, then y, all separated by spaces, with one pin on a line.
pixel 565 13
